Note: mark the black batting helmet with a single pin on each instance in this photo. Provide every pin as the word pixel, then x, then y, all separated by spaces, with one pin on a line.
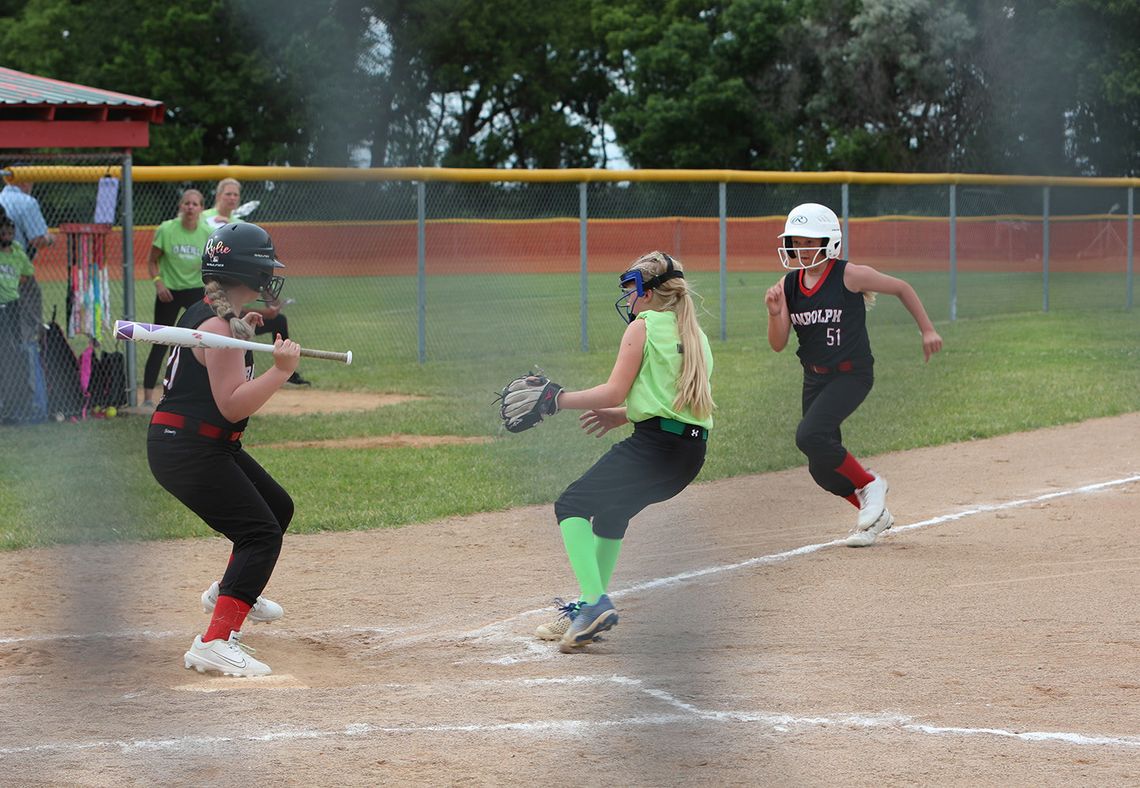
pixel 243 252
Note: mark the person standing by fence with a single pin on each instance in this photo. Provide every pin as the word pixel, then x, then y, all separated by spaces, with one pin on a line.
pixel 175 266
pixel 15 270
pixel 226 199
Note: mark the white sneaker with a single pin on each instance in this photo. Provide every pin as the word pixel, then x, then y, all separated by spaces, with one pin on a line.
pixel 867 536
pixel 265 609
pixel 228 657
pixel 872 502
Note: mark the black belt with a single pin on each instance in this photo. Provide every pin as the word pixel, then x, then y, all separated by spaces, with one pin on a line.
pixel 690 431
pixel 204 429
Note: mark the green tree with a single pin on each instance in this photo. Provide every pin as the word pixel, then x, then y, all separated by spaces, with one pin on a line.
pixel 697 84
pixel 892 92
pixel 511 83
pixel 224 102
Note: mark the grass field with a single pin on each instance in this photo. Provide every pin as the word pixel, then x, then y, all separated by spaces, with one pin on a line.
pixel 1006 372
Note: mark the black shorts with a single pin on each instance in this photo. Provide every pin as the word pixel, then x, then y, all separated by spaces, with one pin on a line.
pixel 648 467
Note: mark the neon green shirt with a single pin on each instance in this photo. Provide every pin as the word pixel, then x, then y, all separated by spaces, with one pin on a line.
pixel 655 386
pixel 181 263
pixel 209 216
pixel 13 264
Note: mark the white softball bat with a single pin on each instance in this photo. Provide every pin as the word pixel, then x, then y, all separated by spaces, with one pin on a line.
pixel 189 337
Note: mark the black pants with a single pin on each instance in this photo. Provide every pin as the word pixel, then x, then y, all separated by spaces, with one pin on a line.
pixel 647 467
pixel 166 314
pixel 274 326
pixel 828 401
pixel 234 495
pixel 15 396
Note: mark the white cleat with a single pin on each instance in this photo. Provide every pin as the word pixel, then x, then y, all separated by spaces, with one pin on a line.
pixel 872 502
pixel 867 536
pixel 265 610
pixel 228 657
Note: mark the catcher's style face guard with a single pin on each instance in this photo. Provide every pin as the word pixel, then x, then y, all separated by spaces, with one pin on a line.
pixel 633 283
pixel 790 256
pixel 271 291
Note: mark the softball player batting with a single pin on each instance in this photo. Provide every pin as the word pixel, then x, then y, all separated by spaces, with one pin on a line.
pixel 825 300
pixel 194 449
pixel 662 376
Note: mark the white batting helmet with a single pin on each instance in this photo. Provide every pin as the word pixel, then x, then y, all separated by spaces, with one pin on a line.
pixel 811 220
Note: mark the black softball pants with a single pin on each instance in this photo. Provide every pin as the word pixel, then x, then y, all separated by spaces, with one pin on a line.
pixel 827 401
pixel 166 314
pixel 274 326
pixel 648 467
pixel 232 494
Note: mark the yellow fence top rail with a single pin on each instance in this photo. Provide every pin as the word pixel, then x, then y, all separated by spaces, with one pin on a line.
pixel 73 174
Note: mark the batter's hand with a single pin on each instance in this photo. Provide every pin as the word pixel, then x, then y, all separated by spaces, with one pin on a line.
pixel 599 422
pixel 286 355
pixel 774 299
pixel 931 344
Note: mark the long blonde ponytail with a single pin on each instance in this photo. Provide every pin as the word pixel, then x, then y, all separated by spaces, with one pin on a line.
pixel 220 303
pixel 693 389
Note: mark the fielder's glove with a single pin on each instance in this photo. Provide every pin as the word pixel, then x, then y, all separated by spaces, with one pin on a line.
pixel 525 400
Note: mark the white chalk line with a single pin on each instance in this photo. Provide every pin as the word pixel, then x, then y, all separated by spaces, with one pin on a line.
pixel 532 651
pixel 499 630
pixel 686 714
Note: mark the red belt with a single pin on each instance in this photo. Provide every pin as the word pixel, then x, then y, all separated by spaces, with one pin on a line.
pixel 207 430
pixel 842 366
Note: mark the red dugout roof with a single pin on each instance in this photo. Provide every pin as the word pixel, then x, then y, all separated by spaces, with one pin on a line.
pixel 37 112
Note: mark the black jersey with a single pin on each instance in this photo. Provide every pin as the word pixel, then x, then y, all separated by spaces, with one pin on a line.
pixel 830 320
pixel 186 387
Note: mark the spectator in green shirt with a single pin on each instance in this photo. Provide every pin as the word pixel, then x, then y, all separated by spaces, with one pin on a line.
pixel 226 199
pixel 175 265
pixel 15 270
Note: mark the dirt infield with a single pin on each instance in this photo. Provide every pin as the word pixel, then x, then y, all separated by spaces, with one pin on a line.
pixel 991 638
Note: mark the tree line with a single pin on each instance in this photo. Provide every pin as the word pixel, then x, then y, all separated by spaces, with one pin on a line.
pixel 1020 86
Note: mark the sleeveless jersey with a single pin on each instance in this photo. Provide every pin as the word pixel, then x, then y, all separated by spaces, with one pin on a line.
pixel 830 320
pixel 655 386
pixel 186 388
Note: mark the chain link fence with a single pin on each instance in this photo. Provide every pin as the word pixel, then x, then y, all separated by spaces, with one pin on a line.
pixel 449 267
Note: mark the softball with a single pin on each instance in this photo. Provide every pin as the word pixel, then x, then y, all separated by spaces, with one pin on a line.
pixel 111 412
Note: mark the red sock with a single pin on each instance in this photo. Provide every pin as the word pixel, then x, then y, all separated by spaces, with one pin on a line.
pixel 855 473
pixel 229 615
pixel 853 499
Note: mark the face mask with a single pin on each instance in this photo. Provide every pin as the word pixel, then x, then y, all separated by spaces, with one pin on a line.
pixel 632 283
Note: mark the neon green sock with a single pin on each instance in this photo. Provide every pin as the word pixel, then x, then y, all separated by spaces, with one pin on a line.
pixel 606 551
pixel 578 537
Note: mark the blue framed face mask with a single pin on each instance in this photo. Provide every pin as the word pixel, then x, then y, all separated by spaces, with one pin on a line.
pixel 634 284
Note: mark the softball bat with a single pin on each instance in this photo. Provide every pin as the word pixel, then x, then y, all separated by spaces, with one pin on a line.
pixel 188 337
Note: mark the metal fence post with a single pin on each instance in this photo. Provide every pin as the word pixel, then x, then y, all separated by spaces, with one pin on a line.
pixel 846 217
pixel 421 270
pixel 1131 218
pixel 953 251
pixel 723 260
pixel 584 286
pixel 1045 248
pixel 129 273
